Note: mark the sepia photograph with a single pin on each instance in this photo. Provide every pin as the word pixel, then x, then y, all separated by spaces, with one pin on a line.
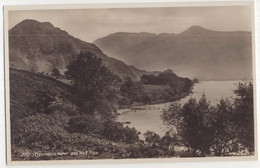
pixel 170 81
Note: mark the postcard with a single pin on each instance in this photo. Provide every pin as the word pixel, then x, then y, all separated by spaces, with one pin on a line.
pixel 120 83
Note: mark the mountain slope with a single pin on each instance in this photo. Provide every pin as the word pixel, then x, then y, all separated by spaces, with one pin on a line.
pixel 197 52
pixel 39 47
pixel 120 41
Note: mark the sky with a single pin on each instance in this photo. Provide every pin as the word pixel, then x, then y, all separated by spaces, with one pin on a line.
pixel 91 24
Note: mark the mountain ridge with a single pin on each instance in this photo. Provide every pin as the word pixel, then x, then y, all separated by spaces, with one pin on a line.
pixel 196 52
pixel 40 46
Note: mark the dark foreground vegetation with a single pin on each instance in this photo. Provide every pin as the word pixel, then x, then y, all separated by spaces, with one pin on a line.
pixel 53 120
pixel 222 130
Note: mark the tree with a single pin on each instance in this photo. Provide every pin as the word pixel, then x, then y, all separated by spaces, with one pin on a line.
pixel 131 135
pixel 55 72
pixel 234 122
pixel 193 124
pixel 226 129
pixel 244 114
pixel 195 80
pixel 152 138
pixel 94 85
pixel 225 140
pixel 131 91
pixel 168 141
pixel 170 79
pixel 117 132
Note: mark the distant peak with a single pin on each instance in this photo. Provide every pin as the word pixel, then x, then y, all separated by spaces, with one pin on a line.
pixel 196 27
pixel 48 24
pixel 195 30
pixel 30 26
pixel 32 22
pixel 29 21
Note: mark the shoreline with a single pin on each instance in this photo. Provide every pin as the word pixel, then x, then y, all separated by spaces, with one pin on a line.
pixel 136 105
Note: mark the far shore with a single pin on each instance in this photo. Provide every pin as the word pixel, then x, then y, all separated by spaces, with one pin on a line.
pixel 136 106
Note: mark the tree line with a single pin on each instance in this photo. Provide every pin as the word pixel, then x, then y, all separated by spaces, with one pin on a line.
pixel 169 78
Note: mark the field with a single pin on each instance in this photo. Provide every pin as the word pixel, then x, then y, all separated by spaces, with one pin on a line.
pixel 154 88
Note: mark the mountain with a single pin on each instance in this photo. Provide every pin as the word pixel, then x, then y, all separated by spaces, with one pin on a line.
pixel 120 41
pixel 196 52
pixel 40 47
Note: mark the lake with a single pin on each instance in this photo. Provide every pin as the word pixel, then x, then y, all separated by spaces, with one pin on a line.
pixel 147 117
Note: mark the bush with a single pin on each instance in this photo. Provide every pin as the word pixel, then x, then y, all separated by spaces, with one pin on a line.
pixel 40 131
pixel 116 132
pixel 151 152
pixel 85 124
pixel 55 72
pixel 152 138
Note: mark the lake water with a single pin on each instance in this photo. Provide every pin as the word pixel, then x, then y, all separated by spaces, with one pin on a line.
pixel 147 117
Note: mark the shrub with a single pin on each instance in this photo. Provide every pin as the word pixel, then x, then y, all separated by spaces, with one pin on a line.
pixel 55 72
pixel 116 132
pixel 85 124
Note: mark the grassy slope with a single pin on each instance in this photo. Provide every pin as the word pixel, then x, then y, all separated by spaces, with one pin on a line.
pixel 33 131
pixel 23 88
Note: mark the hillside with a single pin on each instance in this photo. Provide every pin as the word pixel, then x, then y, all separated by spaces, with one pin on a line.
pixel 40 47
pixel 197 52
pixel 42 111
pixel 46 124
pixel 120 41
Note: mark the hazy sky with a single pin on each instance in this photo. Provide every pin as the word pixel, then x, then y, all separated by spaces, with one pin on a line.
pixel 90 24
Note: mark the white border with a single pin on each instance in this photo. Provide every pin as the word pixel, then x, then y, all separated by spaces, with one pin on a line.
pixel 128 160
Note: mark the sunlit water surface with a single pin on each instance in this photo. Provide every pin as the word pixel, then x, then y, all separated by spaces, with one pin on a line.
pixel 148 117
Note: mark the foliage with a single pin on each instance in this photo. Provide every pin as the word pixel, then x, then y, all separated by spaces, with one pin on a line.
pixel 43 101
pixel 175 86
pixel 169 78
pixel 244 114
pixel 168 141
pixel 55 72
pixel 154 146
pixel 225 139
pixel 195 80
pixel 134 91
pixel 108 129
pixel 131 92
pixel 94 85
pixel 40 131
pixel 116 132
pixel 226 129
pixel 44 118
pixel 58 126
pixel 86 124
pixel 152 138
